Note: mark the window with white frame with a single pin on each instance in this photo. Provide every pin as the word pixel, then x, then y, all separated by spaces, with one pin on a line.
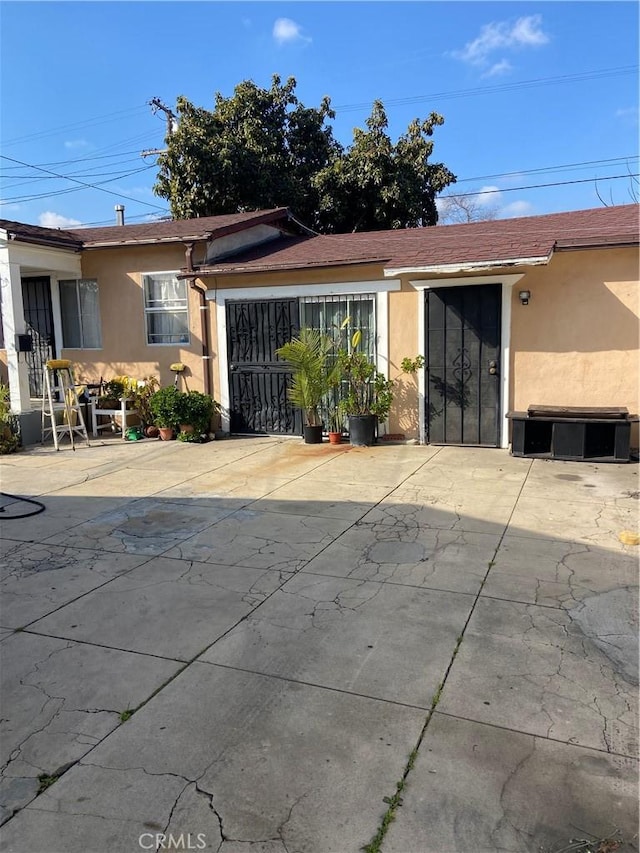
pixel 328 313
pixel 80 309
pixel 166 309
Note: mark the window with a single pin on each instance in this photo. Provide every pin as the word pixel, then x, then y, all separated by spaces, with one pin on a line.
pixel 327 313
pixel 165 309
pixel 80 307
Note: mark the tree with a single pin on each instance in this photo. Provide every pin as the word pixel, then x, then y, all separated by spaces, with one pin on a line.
pixel 262 148
pixel 258 149
pixel 376 185
pixel 457 209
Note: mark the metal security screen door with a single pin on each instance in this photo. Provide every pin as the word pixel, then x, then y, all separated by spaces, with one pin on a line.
pixel 257 378
pixel 463 364
pixel 38 315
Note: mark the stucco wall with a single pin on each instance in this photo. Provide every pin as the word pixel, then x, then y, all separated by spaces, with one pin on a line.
pixel 576 342
pixel 124 347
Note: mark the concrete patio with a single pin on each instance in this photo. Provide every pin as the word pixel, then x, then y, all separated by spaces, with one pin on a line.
pixel 256 645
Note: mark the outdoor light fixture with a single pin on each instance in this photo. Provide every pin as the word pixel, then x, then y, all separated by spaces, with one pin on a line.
pixel 525 296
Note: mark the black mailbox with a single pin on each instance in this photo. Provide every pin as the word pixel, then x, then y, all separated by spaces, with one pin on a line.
pixel 24 343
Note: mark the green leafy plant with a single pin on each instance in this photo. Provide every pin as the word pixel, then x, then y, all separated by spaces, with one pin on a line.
pixel 368 392
pixel 9 437
pixel 412 365
pixel 311 378
pixel 141 394
pixel 195 409
pixel 335 419
pixel 164 407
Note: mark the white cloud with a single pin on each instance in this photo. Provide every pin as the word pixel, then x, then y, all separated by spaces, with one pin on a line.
pixel 499 68
pixel 488 196
pixel 499 36
pixel 49 219
pixel 286 31
pixel 76 143
pixel 516 208
pixel 628 115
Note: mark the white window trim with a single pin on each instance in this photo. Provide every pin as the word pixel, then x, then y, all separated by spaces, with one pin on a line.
pixel 507 282
pixel 145 310
pixel 295 291
pixel 56 307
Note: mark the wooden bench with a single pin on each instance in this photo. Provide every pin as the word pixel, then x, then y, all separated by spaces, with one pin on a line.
pixel 595 434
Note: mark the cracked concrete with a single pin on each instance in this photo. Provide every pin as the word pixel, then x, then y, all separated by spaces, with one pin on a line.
pixel 280 619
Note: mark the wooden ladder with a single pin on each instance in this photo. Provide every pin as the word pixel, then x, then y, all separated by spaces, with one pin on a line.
pixel 65 389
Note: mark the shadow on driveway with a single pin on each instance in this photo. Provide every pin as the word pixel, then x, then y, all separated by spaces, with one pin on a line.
pixel 248 646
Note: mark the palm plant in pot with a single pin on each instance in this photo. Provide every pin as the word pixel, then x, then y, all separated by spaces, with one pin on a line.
pixel 311 377
pixel 368 394
pixel 164 408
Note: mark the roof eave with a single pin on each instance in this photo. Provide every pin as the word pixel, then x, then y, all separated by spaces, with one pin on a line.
pixel 470 266
pixel 210 234
pixel 262 268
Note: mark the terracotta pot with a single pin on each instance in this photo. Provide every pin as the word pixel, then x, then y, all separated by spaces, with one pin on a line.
pixel 166 433
pixel 189 428
pixel 152 431
pixel 335 438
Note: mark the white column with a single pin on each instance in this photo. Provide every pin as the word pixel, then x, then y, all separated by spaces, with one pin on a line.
pixel 13 324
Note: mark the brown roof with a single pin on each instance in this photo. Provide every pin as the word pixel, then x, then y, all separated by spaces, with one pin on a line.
pixel 41 236
pixel 176 230
pixel 503 240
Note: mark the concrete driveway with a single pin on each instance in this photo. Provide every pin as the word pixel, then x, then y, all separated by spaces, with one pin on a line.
pixel 257 646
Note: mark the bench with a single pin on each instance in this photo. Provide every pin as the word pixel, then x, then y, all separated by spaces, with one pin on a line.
pixel 574 433
pixel 123 413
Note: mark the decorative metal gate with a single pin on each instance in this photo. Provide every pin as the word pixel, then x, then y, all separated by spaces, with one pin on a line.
pixel 38 315
pixel 257 378
pixel 463 364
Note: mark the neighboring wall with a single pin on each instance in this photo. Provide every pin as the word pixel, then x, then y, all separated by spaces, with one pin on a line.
pixel 124 347
pixel 576 343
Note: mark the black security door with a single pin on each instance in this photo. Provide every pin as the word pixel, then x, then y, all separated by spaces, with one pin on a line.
pixel 463 365
pixel 257 378
pixel 38 316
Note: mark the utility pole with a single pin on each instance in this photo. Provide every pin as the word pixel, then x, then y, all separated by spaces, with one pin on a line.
pixel 172 124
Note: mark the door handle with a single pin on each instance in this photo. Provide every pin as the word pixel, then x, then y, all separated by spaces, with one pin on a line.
pixel 493 367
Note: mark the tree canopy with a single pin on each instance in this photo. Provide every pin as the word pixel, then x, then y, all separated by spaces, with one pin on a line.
pixel 262 148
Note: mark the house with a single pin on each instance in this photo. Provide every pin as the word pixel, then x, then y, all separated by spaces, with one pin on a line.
pixel 508 313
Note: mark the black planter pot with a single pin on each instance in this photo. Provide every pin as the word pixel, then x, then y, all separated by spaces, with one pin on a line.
pixel 362 430
pixel 312 434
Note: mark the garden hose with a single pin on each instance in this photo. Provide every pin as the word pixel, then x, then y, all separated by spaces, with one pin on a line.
pixel 40 506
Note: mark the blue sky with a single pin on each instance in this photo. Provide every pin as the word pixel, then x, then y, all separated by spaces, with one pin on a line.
pixel 531 93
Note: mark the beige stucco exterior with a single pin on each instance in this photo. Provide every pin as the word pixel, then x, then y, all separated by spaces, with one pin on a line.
pixel 125 350
pixel 575 343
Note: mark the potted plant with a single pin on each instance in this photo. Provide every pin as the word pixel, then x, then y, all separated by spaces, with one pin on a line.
pixel 311 378
pixel 335 425
pixel 368 396
pixel 194 412
pixel 141 393
pixel 164 405
pixel 112 393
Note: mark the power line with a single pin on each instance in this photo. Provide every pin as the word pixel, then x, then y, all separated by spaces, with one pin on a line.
pixel 614 161
pixel 489 90
pixel 76 125
pixel 540 186
pixel 82 183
